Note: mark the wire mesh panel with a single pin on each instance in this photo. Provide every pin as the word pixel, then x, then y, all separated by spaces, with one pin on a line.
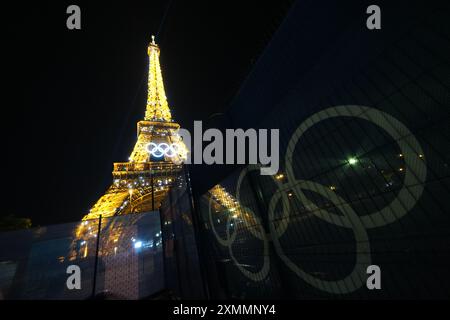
pixel 181 256
pixel 364 175
pixel 130 264
pixel 34 264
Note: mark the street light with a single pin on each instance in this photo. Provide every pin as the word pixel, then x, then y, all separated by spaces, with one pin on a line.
pixel 352 161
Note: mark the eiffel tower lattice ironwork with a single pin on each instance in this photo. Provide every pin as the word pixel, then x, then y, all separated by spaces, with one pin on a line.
pixel 140 184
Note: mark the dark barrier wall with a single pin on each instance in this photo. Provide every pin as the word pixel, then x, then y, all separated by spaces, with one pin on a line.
pixel 184 278
pixel 364 179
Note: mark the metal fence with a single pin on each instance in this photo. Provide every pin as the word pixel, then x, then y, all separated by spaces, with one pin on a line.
pixel 122 260
pixel 365 163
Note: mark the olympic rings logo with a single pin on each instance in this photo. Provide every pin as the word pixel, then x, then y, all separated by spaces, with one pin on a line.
pixel 407 197
pixel 163 150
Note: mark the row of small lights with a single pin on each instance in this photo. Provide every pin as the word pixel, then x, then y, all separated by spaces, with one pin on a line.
pixel 142 182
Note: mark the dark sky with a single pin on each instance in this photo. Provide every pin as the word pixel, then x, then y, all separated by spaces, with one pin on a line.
pixel 73 97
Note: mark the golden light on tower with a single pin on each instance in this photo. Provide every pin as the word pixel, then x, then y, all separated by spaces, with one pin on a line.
pixel 157 105
pixel 148 176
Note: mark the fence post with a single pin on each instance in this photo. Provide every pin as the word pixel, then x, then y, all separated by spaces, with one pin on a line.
pixel 153 190
pixel 96 255
pixel 196 221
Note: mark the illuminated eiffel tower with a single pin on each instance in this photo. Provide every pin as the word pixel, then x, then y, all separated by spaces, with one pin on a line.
pixel 140 184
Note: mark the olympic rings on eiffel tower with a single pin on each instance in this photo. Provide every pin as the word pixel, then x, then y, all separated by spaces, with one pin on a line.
pixel 406 199
pixel 163 150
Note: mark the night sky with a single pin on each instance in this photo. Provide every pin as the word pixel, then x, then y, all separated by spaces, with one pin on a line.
pixel 73 97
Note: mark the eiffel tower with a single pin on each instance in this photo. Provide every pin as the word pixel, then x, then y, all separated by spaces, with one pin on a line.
pixel 140 184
